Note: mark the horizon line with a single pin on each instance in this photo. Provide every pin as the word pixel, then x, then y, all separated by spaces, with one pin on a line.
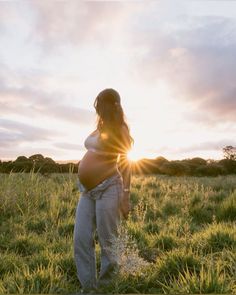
pixel 144 158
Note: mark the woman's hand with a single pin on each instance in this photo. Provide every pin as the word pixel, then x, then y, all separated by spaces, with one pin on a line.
pixel 125 206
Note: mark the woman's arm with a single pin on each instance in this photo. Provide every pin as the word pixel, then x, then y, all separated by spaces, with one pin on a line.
pixel 125 170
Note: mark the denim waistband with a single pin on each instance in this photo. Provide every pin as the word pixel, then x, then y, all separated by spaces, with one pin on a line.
pixel 101 186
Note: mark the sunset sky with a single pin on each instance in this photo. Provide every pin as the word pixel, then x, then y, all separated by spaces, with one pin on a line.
pixel 173 63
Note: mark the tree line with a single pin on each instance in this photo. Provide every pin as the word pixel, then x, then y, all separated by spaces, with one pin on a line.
pixel 192 167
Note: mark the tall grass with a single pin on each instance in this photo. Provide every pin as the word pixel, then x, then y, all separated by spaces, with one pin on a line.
pixel 180 236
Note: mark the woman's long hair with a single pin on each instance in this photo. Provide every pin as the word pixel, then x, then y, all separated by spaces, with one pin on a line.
pixel 111 122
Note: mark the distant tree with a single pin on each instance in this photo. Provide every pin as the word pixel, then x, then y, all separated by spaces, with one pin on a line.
pixel 160 160
pixel 211 169
pixel 21 159
pixel 157 164
pixel 50 168
pixel 198 161
pixel 176 168
pixel 229 165
pixel 211 161
pixel 193 164
pixel 229 152
pixel 145 166
pixel 49 160
pixel 21 164
pixel 37 158
pixel 68 167
pixel 7 166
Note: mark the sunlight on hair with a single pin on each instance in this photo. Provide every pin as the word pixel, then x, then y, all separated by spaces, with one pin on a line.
pixel 104 135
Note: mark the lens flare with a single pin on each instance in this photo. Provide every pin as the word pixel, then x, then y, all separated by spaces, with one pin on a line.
pixel 134 155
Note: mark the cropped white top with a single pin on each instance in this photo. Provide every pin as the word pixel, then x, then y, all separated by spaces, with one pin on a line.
pixel 93 143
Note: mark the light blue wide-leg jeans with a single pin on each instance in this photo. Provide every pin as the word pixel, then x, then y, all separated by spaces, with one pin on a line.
pixel 97 209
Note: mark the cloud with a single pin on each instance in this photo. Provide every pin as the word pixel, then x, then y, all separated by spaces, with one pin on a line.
pixel 208 146
pixel 22 98
pixel 17 138
pixel 69 146
pixel 197 147
pixel 70 114
pixel 197 58
pixel 9 139
pixel 15 132
pixel 8 13
pixel 77 22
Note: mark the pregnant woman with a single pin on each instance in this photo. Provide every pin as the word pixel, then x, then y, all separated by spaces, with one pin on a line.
pixel 104 191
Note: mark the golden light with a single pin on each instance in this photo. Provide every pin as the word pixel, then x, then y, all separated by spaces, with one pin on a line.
pixel 104 135
pixel 135 155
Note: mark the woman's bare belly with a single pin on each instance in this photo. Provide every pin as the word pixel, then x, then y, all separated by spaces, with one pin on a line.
pixel 94 168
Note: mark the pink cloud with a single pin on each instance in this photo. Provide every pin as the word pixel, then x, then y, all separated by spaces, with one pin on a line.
pixel 18 96
pixel 77 22
pixel 198 63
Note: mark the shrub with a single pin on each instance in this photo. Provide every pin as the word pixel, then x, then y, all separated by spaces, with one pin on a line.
pixel 170 207
pixel 65 229
pixel 220 240
pixel 211 169
pixel 208 280
pixel 227 209
pixel 229 165
pixel 9 263
pixel 67 265
pixel 218 197
pixel 175 168
pixel 176 262
pixel 152 227
pixel 38 226
pixel 164 242
pixel 41 259
pixel 152 214
pixel 138 235
pixel 26 245
pixel 201 213
pixel 42 280
pixel 60 245
pixel 215 238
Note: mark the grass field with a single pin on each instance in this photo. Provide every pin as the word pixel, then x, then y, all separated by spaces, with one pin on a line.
pixel 180 237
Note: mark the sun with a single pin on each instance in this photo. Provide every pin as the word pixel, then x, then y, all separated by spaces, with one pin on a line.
pixel 134 155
